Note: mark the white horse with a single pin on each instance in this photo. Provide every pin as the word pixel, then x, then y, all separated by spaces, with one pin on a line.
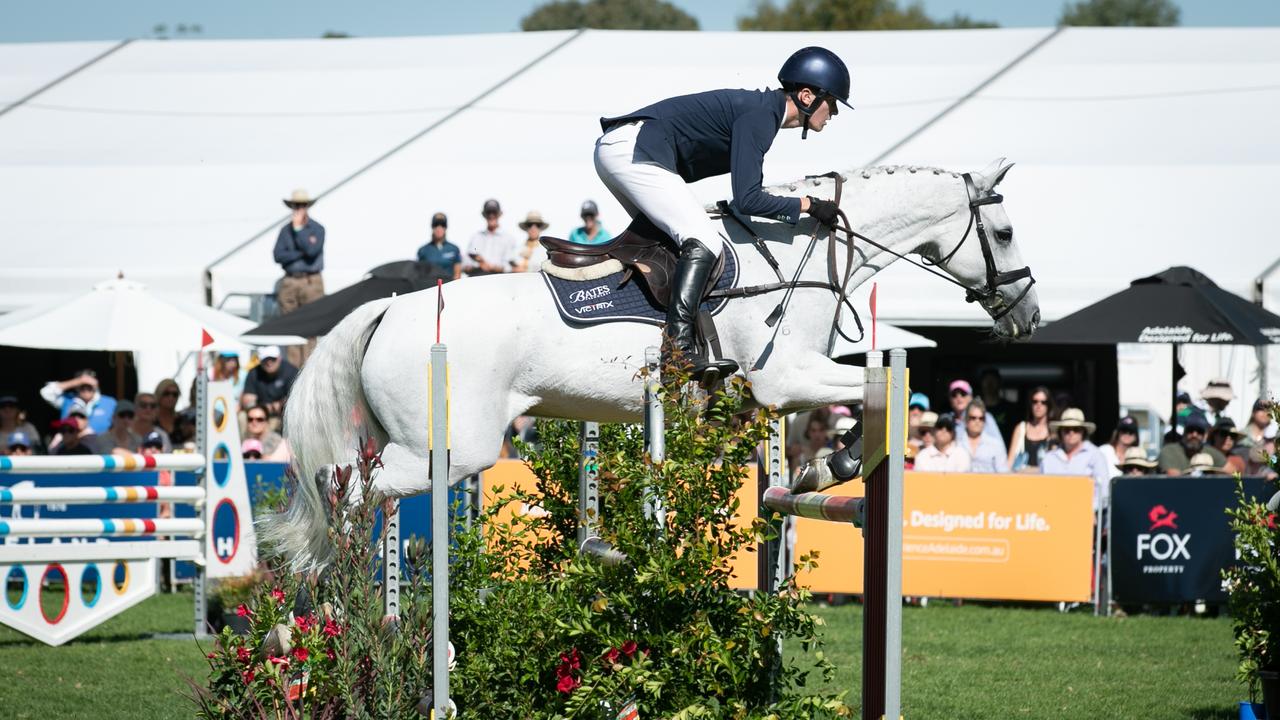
pixel 511 354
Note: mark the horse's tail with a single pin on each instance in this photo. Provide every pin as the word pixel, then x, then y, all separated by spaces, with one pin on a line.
pixel 326 418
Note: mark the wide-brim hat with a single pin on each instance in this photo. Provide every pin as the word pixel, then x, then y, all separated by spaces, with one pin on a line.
pixel 299 198
pixel 1137 457
pixel 1072 418
pixel 1204 463
pixel 842 426
pixel 928 419
pixel 1218 389
pixel 533 218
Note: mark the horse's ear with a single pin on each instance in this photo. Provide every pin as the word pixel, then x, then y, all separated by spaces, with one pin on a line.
pixel 992 174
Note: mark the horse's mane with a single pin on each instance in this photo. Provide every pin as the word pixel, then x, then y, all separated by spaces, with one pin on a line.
pixel 854 173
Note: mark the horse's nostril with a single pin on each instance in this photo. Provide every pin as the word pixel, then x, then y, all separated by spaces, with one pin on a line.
pixel 1035 318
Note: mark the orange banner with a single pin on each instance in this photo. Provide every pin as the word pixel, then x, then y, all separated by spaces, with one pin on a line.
pixel 1005 537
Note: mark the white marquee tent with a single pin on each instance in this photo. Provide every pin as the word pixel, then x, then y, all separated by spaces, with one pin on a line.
pixel 1137 149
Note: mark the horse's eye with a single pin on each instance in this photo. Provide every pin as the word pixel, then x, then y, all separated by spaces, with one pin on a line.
pixel 1005 235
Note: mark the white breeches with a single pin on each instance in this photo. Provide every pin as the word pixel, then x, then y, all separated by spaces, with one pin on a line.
pixel 661 195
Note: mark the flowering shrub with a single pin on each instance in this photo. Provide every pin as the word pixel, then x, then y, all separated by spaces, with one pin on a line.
pixel 541 631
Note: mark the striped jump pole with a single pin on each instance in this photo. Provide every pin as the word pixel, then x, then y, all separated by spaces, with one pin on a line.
pixel 102 495
pixel 62 464
pixel 878 513
pixel 104 527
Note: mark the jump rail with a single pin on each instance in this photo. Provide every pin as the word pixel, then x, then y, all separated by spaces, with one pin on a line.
pixel 59 464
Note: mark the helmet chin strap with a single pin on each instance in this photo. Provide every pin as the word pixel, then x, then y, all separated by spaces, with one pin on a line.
pixel 807 111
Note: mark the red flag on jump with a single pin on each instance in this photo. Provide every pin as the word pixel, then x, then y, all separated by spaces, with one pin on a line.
pixel 205 339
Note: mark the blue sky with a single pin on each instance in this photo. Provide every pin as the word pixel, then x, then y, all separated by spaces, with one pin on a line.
pixel 45 20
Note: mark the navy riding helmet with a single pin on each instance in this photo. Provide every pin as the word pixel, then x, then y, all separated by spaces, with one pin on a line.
pixel 820 70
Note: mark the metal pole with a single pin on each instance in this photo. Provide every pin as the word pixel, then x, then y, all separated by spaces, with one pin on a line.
pixel 589 483
pixel 898 389
pixel 655 426
pixel 202 447
pixel 391 563
pixel 438 435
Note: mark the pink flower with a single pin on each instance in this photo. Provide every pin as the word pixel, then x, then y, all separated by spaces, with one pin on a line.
pixel 300 654
pixel 243 654
pixel 278 594
pixel 243 611
pixel 567 684
pixel 282 661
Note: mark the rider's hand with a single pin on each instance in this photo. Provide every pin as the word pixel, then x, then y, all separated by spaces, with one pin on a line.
pixel 824 211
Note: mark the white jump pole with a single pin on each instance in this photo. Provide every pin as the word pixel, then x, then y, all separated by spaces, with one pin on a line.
pixel 103 495
pixel 438 437
pixel 62 464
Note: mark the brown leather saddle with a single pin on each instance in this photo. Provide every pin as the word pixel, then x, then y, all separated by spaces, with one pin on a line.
pixel 643 249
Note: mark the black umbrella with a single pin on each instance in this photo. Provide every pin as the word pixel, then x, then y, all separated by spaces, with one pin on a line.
pixel 1178 306
pixel 319 317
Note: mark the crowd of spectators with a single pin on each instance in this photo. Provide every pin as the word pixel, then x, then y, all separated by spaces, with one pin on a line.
pixel 1050 435
pixel 91 423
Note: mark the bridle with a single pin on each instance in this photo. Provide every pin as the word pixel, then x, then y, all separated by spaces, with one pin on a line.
pixel 838 282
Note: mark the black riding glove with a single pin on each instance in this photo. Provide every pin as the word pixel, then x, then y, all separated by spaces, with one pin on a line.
pixel 824 210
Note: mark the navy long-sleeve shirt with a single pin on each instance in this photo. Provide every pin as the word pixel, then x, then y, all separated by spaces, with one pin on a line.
pixel 713 133
pixel 301 251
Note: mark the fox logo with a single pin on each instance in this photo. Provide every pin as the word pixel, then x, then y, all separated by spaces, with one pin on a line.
pixel 1162 517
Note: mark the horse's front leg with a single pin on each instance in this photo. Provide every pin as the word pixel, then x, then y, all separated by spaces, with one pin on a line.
pixel 809 381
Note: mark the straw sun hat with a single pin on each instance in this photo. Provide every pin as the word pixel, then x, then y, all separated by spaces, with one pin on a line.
pixel 1072 418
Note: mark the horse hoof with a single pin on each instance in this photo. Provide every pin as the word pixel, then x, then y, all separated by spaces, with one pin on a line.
pixel 813 477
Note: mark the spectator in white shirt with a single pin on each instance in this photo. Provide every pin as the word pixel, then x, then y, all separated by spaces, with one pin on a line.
pixel 945 455
pixel 986 455
pixel 1125 437
pixel 1075 455
pixel 960 394
pixel 490 251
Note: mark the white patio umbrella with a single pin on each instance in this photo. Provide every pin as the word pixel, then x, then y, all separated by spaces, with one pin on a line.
pixel 120 315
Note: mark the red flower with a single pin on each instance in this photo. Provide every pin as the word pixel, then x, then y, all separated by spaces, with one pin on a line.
pixel 243 611
pixel 303 623
pixel 300 654
pixel 572 661
pixel 329 653
pixel 332 629
pixel 278 594
pixel 611 656
pixel 567 684
pixel 211 655
pixel 629 648
pixel 243 654
pixel 247 675
pixel 282 661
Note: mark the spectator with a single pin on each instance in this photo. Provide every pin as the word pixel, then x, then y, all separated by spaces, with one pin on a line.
pixel 945 455
pixel 1256 429
pixel 184 433
pixel 1031 438
pixel 18 443
pixel 144 423
pixel 1124 437
pixel 1202 464
pixel 591 232
pixel 74 436
pixel 916 406
pixel 439 253
pixel 227 367
pixel 120 436
pixel 267 385
pixel 1076 455
pixel 1216 396
pixel 816 439
pixel 531 255
pixel 1257 464
pixel 999 410
pixel 13 420
pixel 270 442
pixel 300 252
pixel 1135 462
pixel 251 450
pixel 168 395
pixel 985 455
pixel 960 394
pixel 1175 457
pixel 490 251
pixel 154 443
pixel 921 435
pixel 84 387
pixel 1224 437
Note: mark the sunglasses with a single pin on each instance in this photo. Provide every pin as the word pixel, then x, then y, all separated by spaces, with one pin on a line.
pixel 1193 431
pixel 257 419
pixel 125 414
pixel 148 405
pixel 170 393
pixel 1072 430
pixel 1037 401
pixel 959 393
pixel 973 418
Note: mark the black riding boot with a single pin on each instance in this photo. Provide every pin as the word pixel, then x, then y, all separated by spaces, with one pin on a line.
pixel 688 287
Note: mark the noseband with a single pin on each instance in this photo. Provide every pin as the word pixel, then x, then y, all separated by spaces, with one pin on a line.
pixel 990 295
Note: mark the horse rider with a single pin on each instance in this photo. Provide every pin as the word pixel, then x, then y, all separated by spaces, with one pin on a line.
pixel 647 157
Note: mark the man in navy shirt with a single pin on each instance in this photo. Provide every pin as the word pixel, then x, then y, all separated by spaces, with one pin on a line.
pixel 647 157
pixel 300 252
pixel 440 253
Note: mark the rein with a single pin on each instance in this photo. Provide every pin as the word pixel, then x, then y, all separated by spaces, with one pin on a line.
pixel 838 282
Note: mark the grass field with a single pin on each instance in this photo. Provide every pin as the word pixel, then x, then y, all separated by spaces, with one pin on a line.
pixel 967 662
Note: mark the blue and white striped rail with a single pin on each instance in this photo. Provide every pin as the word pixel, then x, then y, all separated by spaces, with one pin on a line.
pixel 86 527
pixel 52 464
pixel 101 495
